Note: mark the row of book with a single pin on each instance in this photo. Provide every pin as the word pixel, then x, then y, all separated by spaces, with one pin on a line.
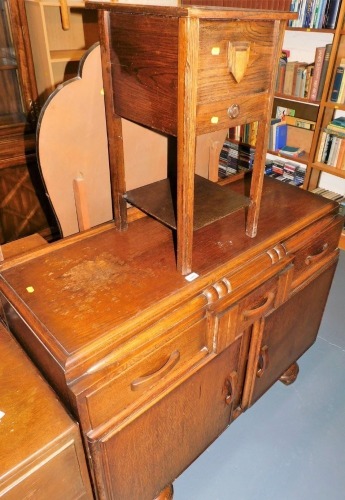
pixel 246 133
pixel 238 157
pixel 315 14
pixel 338 88
pixel 235 157
pixel 332 144
pixel 286 171
pixel 301 79
pixel 331 195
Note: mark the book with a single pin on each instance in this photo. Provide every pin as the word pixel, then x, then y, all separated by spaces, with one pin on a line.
pixel 293 151
pixel 299 79
pixel 324 71
pixel 340 163
pixel 281 136
pixel 289 76
pixel 340 121
pixel 338 83
pixel 319 57
pixel 294 121
pixel 331 14
pixel 282 112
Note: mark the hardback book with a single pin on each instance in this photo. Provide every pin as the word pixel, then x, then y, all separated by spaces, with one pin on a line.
pixel 331 15
pixel 280 136
pixel 300 122
pixel 338 83
pixel 324 71
pixel 289 77
pixel 319 58
pixel 293 151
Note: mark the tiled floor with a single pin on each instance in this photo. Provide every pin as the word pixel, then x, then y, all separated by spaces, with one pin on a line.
pixel 291 444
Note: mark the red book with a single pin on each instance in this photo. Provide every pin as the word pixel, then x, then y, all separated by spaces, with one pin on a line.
pixel 319 58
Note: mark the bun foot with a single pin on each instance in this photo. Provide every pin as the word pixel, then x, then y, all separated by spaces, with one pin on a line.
pixel 166 494
pixel 290 375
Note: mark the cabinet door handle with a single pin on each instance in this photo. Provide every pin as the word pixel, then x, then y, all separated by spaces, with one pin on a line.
pixel 145 380
pixel 263 361
pixel 259 311
pixel 230 387
pixel 314 258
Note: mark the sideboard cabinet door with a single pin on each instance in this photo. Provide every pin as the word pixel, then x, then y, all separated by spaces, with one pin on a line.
pixel 185 422
pixel 285 339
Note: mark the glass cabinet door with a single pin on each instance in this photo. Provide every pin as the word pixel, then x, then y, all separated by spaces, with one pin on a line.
pixel 11 102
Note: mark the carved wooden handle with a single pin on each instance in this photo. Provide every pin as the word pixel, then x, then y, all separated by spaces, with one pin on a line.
pixel 259 311
pixel 263 361
pixel 146 380
pixel 314 258
pixel 230 386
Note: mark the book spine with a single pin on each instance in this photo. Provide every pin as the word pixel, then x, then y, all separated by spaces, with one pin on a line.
pixel 319 57
pixel 339 76
pixel 332 14
pixel 324 71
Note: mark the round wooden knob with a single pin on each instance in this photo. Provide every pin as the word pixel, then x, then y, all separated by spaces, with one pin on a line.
pixel 234 111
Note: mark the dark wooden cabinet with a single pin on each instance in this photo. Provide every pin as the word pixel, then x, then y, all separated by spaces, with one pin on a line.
pixel 24 208
pixel 41 449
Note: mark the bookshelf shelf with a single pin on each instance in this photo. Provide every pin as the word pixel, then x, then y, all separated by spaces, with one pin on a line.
pixel 289 97
pixel 330 170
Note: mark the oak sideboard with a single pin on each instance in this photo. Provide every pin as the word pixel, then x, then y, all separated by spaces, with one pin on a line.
pixel 155 365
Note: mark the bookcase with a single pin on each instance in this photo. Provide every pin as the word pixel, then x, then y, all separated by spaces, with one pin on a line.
pixel 318 172
pixel 60 33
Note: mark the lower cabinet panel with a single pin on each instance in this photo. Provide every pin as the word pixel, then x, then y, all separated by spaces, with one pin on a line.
pixel 160 443
pixel 286 338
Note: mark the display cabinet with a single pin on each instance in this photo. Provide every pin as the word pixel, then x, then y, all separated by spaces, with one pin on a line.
pixel 23 205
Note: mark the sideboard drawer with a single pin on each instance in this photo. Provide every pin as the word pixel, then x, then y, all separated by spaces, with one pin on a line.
pixel 314 248
pixel 159 367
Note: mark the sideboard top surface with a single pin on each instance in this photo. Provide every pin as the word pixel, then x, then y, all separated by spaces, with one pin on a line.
pixel 106 283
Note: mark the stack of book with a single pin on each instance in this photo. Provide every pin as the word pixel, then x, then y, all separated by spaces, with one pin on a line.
pixel 286 171
pixel 303 80
pixel 332 144
pixel 246 133
pixel 340 198
pixel 318 14
pixel 235 157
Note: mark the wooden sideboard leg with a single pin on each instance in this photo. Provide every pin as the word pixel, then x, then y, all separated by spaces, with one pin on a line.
pixel 290 375
pixel 166 494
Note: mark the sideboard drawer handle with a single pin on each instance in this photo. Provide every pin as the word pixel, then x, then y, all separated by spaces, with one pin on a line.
pixel 146 380
pixel 263 361
pixel 260 311
pixel 230 387
pixel 314 258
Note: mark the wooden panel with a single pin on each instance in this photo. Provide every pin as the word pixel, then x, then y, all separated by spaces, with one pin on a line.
pixel 216 80
pixel 287 339
pixel 144 52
